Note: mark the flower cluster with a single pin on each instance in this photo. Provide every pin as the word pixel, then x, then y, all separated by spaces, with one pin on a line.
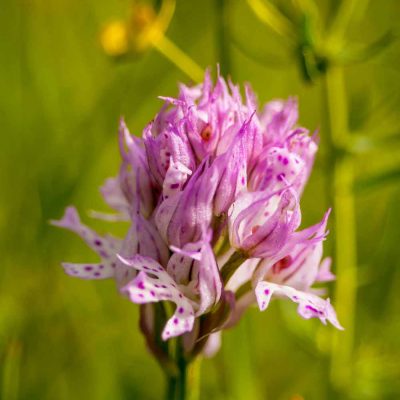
pixel 211 194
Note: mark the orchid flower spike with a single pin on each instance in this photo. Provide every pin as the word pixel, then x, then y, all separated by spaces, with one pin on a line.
pixel 211 197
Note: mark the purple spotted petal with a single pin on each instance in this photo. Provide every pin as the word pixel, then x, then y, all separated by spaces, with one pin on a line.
pixel 90 271
pixel 175 178
pixel 164 141
pixel 279 117
pixel 232 171
pixel 310 305
pixel 298 264
pixel 277 169
pixel 195 265
pixel 154 284
pixel 184 217
pixel 135 178
pixel 105 246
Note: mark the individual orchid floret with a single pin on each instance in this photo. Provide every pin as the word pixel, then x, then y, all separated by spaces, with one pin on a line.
pixel 154 284
pixel 294 274
pixel 309 305
pixel 261 223
pixel 183 217
pixel 191 280
pixel 299 263
pixel 278 118
pixel 162 146
pixel 196 267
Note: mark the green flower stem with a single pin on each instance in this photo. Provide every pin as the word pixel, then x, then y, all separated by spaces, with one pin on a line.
pixel 170 393
pixel 229 268
pixel 340 174
pixel 184 385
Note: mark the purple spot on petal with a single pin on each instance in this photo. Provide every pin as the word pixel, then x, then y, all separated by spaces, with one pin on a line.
pixel 312 309
pixel 176 321
pixel 266 292
pixel 181 310
pixel 88 268
pixel 97 242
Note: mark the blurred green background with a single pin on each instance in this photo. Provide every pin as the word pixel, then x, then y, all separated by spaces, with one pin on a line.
pixel 60 100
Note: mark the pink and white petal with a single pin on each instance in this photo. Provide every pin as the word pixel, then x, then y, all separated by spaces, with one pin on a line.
pixel 154 284
pixel 243 274
pixel 325 274
pixel 232 172
pixel 175 178
pixel 181 263
pixel 194 254
pixel 90 271
pixel 193 212
pixel 197 262
pixel 309 305
pixel 212 345
pixel 135 178
pixel 210 284
pixel 105 246
pixel 164 213
pixel 114 197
